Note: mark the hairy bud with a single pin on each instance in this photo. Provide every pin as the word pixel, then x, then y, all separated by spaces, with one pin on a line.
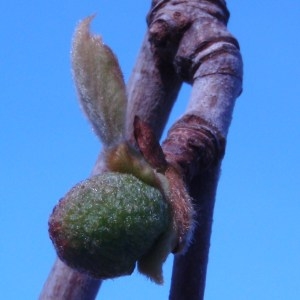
pixel 105 224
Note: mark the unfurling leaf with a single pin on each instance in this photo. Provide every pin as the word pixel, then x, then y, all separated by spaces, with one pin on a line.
pixel 99 83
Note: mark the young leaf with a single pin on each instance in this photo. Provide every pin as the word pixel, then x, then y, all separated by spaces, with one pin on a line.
pixel 99 83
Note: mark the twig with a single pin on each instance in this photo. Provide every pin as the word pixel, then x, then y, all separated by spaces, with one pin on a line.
pixel 64 283
pixel 208 57
pixel 152 90
pixel 187 40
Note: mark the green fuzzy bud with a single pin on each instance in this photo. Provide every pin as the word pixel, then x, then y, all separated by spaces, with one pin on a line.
pixel 105 224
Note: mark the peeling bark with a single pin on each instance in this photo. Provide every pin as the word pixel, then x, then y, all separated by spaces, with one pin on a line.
pixel 187 41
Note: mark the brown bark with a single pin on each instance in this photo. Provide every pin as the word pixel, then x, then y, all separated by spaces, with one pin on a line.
pixel 152 90
pixel 208 57
pixel 187 41
pixel 189 270
pixel 64 283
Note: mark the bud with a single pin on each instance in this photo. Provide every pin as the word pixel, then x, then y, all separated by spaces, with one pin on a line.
pixel 105 224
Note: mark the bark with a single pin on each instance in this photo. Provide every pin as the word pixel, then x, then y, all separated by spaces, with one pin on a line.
pixel 208 57
pixel 64 283
pixel 188 41
pixel 152 90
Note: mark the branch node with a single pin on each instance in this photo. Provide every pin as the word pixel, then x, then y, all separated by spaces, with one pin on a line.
pixel 194 144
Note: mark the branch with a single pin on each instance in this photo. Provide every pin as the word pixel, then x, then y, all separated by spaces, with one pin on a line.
pixel 65 283
pixel 208 57
pixel 152 90
pixel 186 40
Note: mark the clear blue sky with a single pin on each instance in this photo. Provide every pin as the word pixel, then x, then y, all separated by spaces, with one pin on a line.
pixel 47 146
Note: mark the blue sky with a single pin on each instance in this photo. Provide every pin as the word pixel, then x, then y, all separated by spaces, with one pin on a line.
pixel 47 146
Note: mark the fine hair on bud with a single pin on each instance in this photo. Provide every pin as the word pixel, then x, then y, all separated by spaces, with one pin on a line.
pixel 100 84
